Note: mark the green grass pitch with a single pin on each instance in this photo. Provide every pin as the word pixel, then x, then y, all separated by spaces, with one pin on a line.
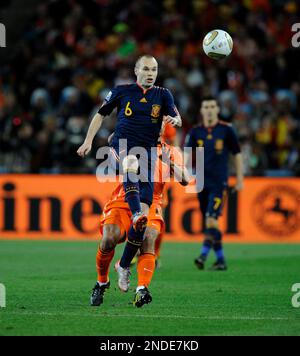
pixel 48 289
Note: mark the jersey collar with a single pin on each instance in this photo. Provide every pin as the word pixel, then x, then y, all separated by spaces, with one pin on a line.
pixel 210 128
pixel 144 90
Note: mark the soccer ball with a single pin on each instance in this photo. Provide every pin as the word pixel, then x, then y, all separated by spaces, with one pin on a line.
pixel 217 44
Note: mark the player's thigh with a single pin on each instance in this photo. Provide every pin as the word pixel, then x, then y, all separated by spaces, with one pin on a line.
pixel 115 226
pixel 154 228
pixel 203 201
pixel 215 202
pixel 111 236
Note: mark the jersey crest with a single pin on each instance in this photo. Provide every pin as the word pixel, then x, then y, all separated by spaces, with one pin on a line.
pixel 219 145
pixel 155 110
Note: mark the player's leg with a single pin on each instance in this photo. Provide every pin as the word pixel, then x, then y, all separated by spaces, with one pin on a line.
pixel 113 229
pixel 208 240
pixel 134 242
pixel 216 202
pixel 135 239
pixel 135 236
pixel 140 191
pixel 130 165
pixel 105 254
pixel 146 268
pixel 146 261
pixel 159 239
pixel 158 243
pixel 220 264
pixel 106 251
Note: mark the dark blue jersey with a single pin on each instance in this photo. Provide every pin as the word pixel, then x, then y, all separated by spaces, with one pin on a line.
pixel 139 113
pixel 218 142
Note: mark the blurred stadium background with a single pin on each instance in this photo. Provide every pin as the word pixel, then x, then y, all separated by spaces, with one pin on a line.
pixel 62 58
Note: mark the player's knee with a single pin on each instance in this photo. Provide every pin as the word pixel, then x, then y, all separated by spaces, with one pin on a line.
pixel 209 239
pixel 106 245
pixel 145 208
pixel 212 223
pixel 111 236
pixel 130 164
pixel 148 245
pixel 151 234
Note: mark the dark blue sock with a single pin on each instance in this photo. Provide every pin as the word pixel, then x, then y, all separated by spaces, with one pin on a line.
pixel 219 252
pixel 208 242
pixel 132 196
pixel 218 247
pixel 135 240
pixel 206 247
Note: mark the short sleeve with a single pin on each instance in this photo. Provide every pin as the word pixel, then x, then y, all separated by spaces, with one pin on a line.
pixel 233 142
pixel 169 107
pixel 110 102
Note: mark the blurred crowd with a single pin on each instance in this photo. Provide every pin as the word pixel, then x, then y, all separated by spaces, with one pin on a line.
pixel 73 51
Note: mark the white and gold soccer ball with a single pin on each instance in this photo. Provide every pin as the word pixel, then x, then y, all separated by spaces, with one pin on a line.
pixel 217 44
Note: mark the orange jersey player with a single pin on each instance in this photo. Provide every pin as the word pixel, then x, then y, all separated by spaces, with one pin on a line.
pixel 115 224
pixel 169 135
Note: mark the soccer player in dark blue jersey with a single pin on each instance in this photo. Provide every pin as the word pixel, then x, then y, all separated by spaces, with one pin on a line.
pixel 219 140
pixel 141 108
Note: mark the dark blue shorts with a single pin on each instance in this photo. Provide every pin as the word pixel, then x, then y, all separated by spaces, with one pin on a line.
pixel 212 200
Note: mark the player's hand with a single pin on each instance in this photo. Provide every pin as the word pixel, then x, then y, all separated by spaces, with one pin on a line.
pixel 173 121
pixel 84 149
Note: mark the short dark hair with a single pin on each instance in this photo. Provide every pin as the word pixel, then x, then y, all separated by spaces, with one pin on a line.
pixel 143 56
pixel 209 98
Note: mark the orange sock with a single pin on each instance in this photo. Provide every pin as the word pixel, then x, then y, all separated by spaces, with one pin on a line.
pixel 103 260
pixel 145 269
pixel 158 242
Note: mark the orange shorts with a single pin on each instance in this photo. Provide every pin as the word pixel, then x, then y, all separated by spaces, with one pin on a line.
pixel 122 217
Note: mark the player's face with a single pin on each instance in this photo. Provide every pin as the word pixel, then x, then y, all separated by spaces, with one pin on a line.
pixel 210 111
pixel 146 72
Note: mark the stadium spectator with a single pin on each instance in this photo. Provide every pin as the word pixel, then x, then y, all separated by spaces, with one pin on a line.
pixel 72 50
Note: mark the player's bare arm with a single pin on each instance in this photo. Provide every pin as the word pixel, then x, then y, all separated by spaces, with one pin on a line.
pixel 239 172
pixel 94 127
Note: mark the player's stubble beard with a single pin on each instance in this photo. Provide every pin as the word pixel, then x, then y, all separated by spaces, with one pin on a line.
pixel 210 121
